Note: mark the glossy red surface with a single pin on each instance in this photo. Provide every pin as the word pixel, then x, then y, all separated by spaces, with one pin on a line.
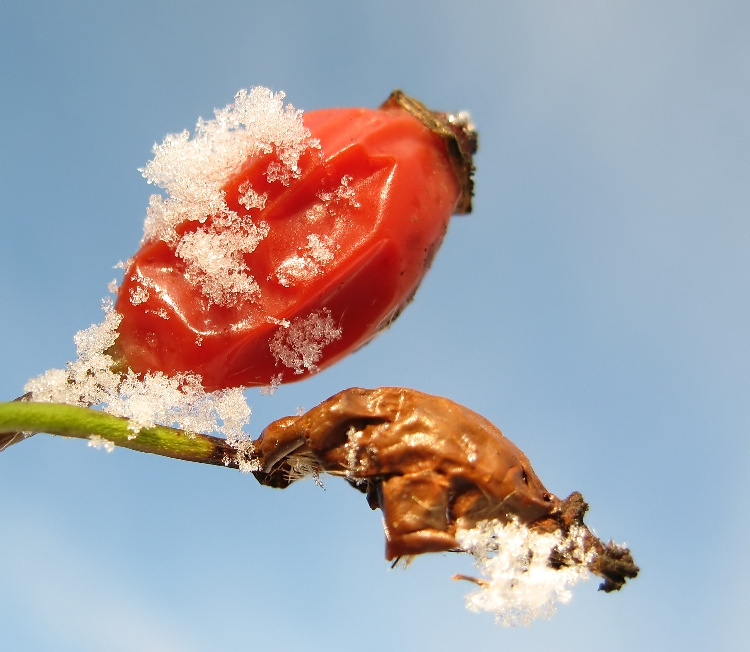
pixel 400 190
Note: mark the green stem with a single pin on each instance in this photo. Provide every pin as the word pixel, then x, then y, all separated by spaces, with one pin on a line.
pixel 73 421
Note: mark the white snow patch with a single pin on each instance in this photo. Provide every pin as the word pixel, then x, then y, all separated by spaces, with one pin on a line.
pixel 269 390
pixel 89 380
pixel 193 172
pixel 232 408
pixel 344 193
pixel 251 199
pixel 354 449
pixel 300 344
pixel 521 586
pixel 215 258
pixel 138 295
pixel 317 253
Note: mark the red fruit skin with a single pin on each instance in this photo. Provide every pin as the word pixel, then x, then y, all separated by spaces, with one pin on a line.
pixel 405 190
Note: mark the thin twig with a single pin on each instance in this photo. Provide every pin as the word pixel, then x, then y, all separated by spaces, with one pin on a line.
pixel 71 421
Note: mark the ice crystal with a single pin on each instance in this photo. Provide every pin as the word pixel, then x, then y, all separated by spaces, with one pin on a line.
pixel 343 193
pixel 353 449
pixel 215 258
pixel 97 441
pixel 312 261
pixel 270 389
pixel 89 380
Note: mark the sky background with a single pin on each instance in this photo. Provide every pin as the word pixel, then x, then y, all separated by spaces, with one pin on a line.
pixel 594 306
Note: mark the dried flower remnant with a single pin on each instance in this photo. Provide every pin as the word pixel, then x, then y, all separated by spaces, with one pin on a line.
pixel 427 462
pixel 447 479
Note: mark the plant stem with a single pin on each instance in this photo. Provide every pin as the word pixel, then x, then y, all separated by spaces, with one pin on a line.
pixel 74 421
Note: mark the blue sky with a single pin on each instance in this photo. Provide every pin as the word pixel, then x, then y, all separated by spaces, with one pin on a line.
pixel 594 306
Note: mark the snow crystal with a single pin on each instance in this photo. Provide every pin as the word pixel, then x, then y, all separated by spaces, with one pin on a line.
pixel 469 446
pixel 521 586
pixel 251 199
pixel 320 249
pixel 353 449
pixel 462 119
pixel 157 398
pixel 269 390
pixel 161 313
pixel 300 345
pixel 138 295
pixel 88 380
pixel 96 441
pixel 317 254
pixel 344 193
pixel 215 258
pixel 231 407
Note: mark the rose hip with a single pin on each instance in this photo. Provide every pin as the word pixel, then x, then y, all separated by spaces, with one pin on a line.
pixel 323 259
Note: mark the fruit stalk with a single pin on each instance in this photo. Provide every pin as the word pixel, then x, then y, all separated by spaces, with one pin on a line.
pixel 20 417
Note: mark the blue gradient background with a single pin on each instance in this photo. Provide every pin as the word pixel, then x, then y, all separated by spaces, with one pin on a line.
pixel 594 306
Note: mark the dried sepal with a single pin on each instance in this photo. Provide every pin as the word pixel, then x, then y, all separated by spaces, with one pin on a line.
pixel 447 479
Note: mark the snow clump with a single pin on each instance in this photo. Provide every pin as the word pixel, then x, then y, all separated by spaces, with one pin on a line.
pixel 522 586
pixel 193 172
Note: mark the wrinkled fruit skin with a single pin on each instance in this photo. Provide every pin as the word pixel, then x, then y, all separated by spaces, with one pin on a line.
pixel 430 464
pixel 405 188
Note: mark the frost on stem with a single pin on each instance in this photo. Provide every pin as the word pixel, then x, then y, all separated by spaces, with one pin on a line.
pixel 96 441
pixel 146 399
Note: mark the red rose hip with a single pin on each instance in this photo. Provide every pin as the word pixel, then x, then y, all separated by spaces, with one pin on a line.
pixel 309 250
